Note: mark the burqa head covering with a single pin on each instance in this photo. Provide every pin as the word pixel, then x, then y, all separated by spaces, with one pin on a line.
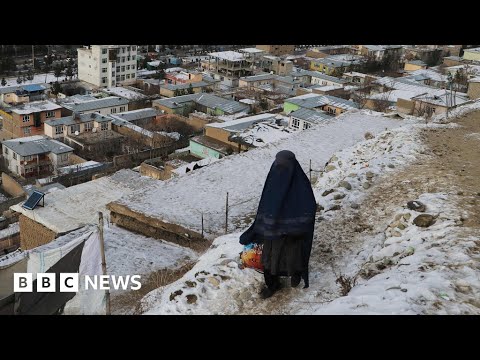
pixel 287 206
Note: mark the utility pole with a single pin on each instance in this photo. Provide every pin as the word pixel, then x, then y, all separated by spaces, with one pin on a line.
pixel 226 215
pixel 104 263
pixel 310 171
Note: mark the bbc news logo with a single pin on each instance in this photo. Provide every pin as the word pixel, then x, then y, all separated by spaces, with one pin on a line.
pixel 69 282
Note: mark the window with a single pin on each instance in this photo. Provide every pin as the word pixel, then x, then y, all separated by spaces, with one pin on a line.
pixel 113 110
pixel 26 130
pixel 128 58
pixel 104 70
pixel 296 123
pixel 128 67
pixel 122 77
pixel 133 67
pixel 330 110
pixel 88 126
pixel 128 76
pixel 26 118
pixel 74 128
pixel 123 59
pixel 104 126
pixel 104 51
pixel 15 156
pixel 134 48
pixel 118 68
pixel 104 80
pixel 123 68
pixel 58 129
pixel 118 77
pixel 28 158
pixel 306 125
pixel 123 49
pixel 122 108
pixel 133 57
pixel 50 114
pixel 128 48
pixel 104 61
pixel 133 75
pixel 64 157
pixel 5 151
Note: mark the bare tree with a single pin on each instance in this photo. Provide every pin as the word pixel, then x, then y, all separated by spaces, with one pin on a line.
pixel 382 103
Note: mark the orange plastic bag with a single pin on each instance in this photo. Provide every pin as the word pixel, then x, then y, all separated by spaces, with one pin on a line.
pixel 251 257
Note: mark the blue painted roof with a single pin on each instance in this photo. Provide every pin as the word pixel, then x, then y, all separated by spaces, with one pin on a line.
pixel 33 87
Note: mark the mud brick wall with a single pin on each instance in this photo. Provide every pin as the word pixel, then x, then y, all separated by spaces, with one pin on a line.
pixel 33 234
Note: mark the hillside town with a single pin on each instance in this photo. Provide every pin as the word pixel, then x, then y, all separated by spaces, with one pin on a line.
pixel 162 151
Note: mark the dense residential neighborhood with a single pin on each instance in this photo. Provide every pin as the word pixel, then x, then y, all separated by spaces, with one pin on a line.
pixel 172 145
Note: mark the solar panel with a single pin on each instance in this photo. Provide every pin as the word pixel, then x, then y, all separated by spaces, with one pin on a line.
pixel 33 200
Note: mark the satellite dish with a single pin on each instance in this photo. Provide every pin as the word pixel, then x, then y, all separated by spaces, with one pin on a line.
pixel 94 129
pixel 77 133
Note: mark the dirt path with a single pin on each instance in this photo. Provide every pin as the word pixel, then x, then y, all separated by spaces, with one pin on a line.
pixel 451 164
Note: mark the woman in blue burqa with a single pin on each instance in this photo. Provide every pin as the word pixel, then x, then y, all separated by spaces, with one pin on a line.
pixel 284 223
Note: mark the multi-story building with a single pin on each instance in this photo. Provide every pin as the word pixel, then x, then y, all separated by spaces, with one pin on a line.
pixel 35 156
pixel 229 66
pixel 107 65
pixel 277 50
pixel 28 119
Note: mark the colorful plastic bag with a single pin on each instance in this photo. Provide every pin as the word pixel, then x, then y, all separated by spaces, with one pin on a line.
pixel 251 257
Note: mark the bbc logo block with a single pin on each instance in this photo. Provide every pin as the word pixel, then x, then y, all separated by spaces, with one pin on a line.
pixel 46 282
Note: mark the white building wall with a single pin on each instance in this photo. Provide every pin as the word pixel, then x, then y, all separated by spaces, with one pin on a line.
pixel 13 164
pixel 96 67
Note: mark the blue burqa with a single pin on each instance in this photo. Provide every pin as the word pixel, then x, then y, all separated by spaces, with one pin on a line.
pixel 286 209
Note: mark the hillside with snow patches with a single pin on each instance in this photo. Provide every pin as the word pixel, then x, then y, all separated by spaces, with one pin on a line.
pixel 405 269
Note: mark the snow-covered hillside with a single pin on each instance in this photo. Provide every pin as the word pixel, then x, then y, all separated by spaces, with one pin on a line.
pixel 374 252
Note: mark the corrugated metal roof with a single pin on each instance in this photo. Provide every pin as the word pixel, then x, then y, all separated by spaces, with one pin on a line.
pixel 311 115
pixel 243 123
pixel 135 114
pixel 313 101
pixel 207 100
pixel 258 77
pixel 96 104
pixel 318 75
pixel 33 145
pixel 83 118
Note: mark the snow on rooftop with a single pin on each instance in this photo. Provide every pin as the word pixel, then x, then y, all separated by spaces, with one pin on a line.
pixel 77 206
pixel 35 106
pixel 264 133
pixel 124 92
pixel 37 79
pixel 228 55
pixel 11 229
pixel 182 200
pixel 252 50
pixel 244 120
pixel 79 167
